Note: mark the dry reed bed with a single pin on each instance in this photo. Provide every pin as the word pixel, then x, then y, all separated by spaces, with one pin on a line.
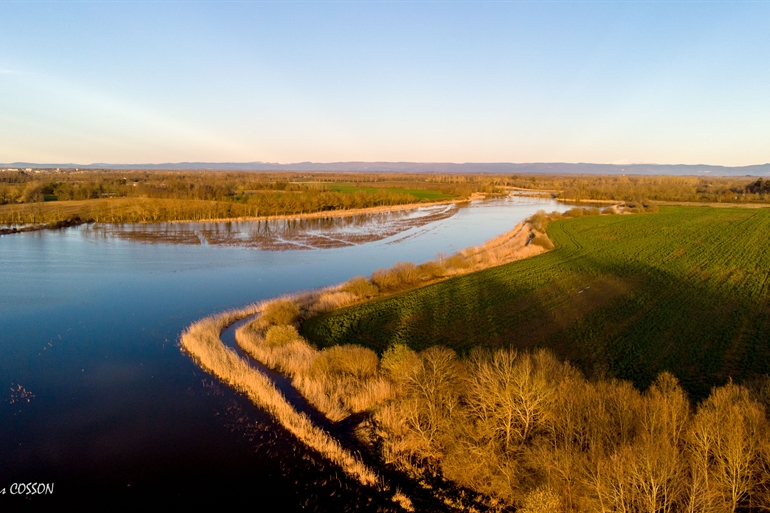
pixel 338 381
pixel 503 249
pixel 202 341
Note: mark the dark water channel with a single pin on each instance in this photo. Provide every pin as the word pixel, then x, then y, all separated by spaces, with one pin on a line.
pixel 96 396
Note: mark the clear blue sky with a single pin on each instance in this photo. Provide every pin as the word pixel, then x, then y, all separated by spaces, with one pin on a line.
pixel 155 81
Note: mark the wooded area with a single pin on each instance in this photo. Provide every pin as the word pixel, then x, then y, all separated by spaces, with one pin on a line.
pixel 54 199
pixel 62 199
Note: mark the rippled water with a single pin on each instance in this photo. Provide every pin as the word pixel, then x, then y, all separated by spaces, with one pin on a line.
pixel 99 399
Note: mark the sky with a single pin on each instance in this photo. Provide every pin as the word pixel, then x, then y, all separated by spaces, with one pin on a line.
pixel 421 81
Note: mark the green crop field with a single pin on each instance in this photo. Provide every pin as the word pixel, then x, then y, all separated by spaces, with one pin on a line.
pixel 686 290
pixel 421 194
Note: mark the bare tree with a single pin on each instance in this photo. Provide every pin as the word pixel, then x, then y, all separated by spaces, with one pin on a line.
pixel 725 444
pixel 510 393
pixel 432 395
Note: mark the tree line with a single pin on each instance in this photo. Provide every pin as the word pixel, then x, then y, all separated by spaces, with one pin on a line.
pixel 656 188
pixel 126 197
pixel 27 187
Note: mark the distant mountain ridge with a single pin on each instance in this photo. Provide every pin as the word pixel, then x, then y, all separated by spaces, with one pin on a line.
pixel 559 168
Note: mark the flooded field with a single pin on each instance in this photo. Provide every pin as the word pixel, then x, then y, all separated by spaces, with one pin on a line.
pixel 282 235
pixel 99 399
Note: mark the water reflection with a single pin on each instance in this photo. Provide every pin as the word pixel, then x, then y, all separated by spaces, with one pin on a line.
pixel 98 397
pixel 280 235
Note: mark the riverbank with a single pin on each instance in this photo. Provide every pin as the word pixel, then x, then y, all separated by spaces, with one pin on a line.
pixel 339 382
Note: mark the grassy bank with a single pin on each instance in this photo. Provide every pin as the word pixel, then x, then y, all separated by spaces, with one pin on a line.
pixel 684 290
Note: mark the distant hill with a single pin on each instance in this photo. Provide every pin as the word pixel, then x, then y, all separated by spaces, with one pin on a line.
pixel 559 168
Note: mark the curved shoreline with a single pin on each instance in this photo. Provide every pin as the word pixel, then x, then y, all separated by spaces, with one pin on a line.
pixel 343 381
pixel 296 359
pixel 202 342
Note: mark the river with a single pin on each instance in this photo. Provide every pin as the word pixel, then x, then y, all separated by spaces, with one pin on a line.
pixel 100 401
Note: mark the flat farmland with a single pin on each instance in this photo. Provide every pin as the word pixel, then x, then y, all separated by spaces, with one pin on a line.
pixel 421 194
pixel 686 290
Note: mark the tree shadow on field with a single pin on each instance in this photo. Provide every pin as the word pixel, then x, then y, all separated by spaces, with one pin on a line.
pixel 611 318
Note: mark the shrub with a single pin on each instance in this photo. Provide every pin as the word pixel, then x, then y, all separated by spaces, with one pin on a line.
pixel 397 277
pixel 332 300
pixel 383 279
pixel 278 336
pixel 404 274
pixel 398 362
pixel 282 311
pixel 456 261
pixel 649 207
pixel 361 287
pixel 539 220
pixel 591 211
pixel 543 241
pixel 431 270
pixel 574 212
pixel 351 360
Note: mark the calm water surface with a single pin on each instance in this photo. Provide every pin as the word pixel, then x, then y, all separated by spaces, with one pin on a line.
pixel 97 397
